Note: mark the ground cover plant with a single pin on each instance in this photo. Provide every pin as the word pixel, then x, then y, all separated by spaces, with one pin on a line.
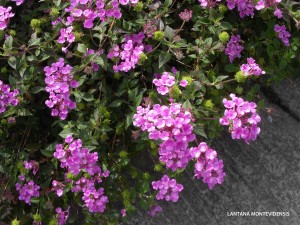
pixel 104 104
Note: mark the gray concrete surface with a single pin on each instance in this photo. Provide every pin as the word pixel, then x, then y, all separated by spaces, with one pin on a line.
pixel 262 176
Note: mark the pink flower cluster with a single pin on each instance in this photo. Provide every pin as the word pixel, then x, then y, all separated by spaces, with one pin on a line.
pixel 234 47
pixel 62 216
pixel 164 83
pixel 207 166
pixel 18 2
pixel 154 209
pixel 168 189
pixel 7 97
pixel 76 160
pixel 251 68
pixel 208 3
pixel 186 15
pixel 172 126
pixel 27 190
pixel 130 52
pixel 58 80
pixel 66 35
pixel 283 34
pixel 241 117
pixel 5 15
pixel 31 165
pixel 278 13
pixel 245 7
pixel 261 4
pixel 126 2
pixel 89 11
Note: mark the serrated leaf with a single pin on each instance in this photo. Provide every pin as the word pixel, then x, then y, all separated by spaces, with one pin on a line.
pixel 200 131
pixel 81 48
pixel 12 61
pixel 169 33
pixel 163 58
pixel 33 42
pixel 8 42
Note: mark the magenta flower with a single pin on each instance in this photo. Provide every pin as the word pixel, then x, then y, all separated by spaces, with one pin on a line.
pixel 283 34
pixel 154 209
pixel 164 83
pixel 245 7
pixel 183 83
pixel 242 119
pixel 5 15
pixel 62 216
pixel 172 126
pixel 207 166
pixel 208 3
pixel 234 48
pixel 59 80
pixel 79 160
pixel 251 68
pixel 7 97
pixel 129 53
pixel 168 189
pixel 27 191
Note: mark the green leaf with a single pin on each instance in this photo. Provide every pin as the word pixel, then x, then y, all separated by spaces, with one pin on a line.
pixel 167 3
pixel 2 169
pixel 66 132
pixel 200 131
pixel 138 100
pixel 37 89
pixel 169 33
pixel 81 48
pixel 12 61
pixel 88 97
pixel 226 26
pixel 163 58
pixel 129 120
pixel 187 105
pixel 35 200
pixel 8 42
pixel 116 103
pixel 35 41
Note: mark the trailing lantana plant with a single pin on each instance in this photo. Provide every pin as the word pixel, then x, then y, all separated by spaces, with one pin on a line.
pixel 104 104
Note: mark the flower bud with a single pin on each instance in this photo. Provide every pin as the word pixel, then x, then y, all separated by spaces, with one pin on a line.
pixel 158 35
pixel 157 168
pixel 139 6
pixel 35 23
pixel 15 222
pixel 222 9
pixel 54 12
pixel 123 154
pixel 12 32
pixel 240 77
pixel 4 70
pixel 37 218
pixel 224 36
pixel 208 104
